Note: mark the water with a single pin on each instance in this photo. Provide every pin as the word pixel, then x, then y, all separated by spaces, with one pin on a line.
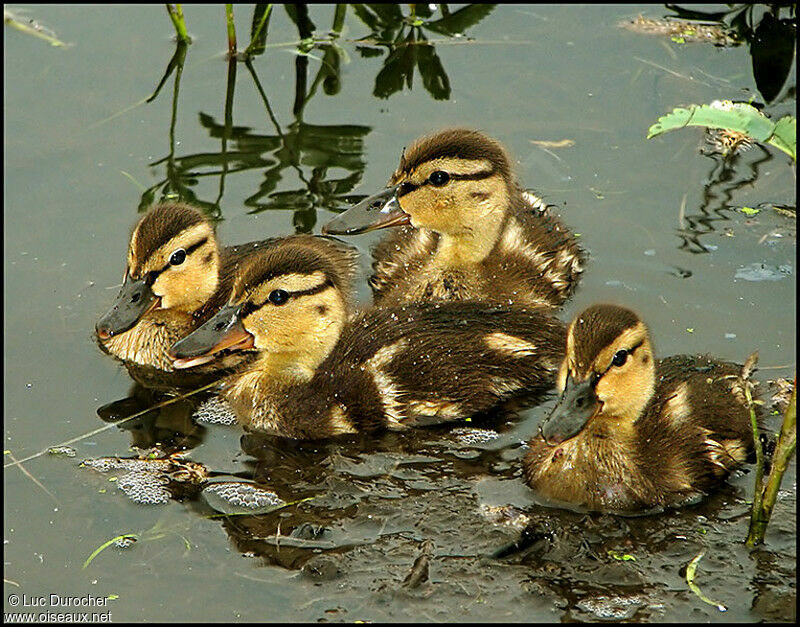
pixel 78 158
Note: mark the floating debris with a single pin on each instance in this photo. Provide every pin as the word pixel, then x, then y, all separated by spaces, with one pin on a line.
pixel 680 31
pixel 782 392
pixel 763 272
pixel 146 480
pixel 215 411
pixel 691 571
pixel 62 451
pixel 611 607
pixel 726 142
pixel 419 570
pixel 506 515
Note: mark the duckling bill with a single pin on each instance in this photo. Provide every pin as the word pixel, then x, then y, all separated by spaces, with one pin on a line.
pixel 631 433
pixel 320 372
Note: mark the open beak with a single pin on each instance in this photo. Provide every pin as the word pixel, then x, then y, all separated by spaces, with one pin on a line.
pixel 134 300
pixel 222 332
pixel 376 212
pixel 577 405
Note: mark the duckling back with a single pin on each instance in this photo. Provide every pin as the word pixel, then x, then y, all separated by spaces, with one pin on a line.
pixel 535 262
pixel 423 363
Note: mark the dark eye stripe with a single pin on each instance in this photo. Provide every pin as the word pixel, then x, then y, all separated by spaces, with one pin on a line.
pixel 249 307
pixel 630 350
pixel 154 274
pixel 407 187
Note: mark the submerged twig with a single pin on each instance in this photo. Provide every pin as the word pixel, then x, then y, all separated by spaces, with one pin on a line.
pixel 419 571
pixel 111 425
pixel 31 27
pixel 31 477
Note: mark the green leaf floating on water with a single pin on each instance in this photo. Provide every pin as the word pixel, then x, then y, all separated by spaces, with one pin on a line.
pixel 733 116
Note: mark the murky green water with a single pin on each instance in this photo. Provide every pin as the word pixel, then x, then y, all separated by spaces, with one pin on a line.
pixel 78 157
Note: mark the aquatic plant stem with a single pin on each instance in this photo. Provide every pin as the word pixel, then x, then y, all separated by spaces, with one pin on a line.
pixel 231 30
pixel 338 19
pixel 257 33
pixel 175 12
pixel 765 496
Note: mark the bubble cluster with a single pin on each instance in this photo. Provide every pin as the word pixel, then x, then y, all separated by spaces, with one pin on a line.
pixel 244 494
pixel 145 488
pixel 469 436
pixel 215 411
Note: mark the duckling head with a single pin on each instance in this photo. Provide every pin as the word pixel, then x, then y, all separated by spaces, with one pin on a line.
pixel 173 263
pixel 289 303
pixel 608 373
pixel 456 182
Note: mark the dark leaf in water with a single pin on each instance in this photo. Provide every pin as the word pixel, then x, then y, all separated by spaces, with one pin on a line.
pixel 423 10
pixel 148 198
pixel 298 13
pixel 259 43
pixel 397 69
pixel 741 26
pixel 385 15
pixel 434 78
pixel 304 221
pixel 369 52
pixel 461 20
pixel 772 50
pixel 363 13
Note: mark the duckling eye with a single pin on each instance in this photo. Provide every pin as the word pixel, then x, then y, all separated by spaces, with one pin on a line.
pixel 439 178
pixel 620 358
pixel 178 257
pixel 278 297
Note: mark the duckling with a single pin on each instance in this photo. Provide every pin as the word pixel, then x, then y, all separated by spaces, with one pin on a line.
pixel 176 278
pixel 470 232
pixel 631 434
pixel 320 373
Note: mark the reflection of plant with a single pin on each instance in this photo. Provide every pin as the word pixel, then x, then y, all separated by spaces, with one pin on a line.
pixel 735 117
pixel 736 123
pixel 408 46
pixel 327 160
pixel 770 36
pixel 300 147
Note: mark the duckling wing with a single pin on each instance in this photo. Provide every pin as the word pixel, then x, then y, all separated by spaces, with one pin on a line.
pixel 445 361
